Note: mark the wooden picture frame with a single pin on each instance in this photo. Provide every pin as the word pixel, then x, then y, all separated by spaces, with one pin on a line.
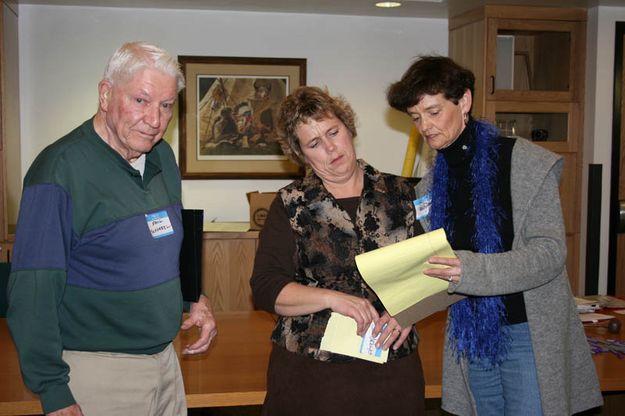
pixel 228 114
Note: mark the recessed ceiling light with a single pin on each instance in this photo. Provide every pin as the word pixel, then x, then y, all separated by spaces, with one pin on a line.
pixel 388 4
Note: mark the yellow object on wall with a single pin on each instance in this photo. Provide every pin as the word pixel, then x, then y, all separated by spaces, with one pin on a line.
pixel 411 153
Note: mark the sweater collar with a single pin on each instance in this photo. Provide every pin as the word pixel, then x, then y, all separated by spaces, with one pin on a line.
pixel 462 149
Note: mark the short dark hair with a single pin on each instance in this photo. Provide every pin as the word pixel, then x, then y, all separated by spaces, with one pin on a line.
pixel 430 75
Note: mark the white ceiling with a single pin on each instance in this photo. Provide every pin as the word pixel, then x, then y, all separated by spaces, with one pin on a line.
pixel 410 8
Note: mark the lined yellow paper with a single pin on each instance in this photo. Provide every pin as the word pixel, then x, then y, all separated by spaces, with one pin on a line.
pixel 340 337
pixel 395 272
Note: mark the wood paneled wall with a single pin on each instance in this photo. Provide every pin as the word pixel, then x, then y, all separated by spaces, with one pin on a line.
pixel 227 263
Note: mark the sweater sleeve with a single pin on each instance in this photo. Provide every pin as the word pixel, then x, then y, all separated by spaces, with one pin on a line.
pixel 36 285
pixel 273 265
pixel 538 259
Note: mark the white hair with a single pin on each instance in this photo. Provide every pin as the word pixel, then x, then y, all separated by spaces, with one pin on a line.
pixel 135 56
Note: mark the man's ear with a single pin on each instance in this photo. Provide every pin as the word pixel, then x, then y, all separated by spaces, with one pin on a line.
pixel 104 94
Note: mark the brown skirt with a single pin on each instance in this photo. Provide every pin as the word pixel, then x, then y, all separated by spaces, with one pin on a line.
pixel 299 385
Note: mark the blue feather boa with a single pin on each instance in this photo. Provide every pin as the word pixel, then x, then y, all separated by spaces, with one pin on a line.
pixel 477 327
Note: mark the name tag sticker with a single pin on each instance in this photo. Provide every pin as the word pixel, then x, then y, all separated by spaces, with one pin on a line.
pixel 159 224
pixel 422 206
pixel 367 346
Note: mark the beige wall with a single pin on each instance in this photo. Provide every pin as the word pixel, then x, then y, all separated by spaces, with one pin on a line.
pixel 64 49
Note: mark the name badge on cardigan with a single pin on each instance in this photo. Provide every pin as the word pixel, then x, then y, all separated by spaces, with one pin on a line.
pixel 422 206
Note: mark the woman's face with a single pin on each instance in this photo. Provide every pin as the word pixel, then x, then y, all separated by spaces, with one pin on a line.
pixel 439 120
pixel 328 148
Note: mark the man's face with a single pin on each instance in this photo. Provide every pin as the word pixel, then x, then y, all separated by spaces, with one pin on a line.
pixel 137 111
pixel 244 118
pixel 261 93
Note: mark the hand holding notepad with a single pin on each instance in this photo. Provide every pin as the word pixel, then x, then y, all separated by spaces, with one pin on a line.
pixel 341 337
pixel 395 273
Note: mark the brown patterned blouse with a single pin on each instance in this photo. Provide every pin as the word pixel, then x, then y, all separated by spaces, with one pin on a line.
pixel 312 238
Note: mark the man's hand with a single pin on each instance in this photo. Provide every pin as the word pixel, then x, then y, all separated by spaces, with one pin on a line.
pixel 202 316
pixel 73 410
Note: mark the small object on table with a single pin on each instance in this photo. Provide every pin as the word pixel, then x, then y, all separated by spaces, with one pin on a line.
pixel 594 317
pixel 614 326
pixel 616 347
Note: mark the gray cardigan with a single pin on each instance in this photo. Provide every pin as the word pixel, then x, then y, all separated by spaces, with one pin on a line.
pixel 535 266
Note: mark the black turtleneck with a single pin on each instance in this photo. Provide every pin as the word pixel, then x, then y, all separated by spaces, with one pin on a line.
pixel 459 156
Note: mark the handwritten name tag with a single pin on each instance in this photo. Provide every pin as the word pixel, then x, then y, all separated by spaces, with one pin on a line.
pixel 159 224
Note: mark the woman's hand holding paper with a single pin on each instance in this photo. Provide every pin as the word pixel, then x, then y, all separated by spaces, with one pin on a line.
pixel 359 309
pixel 392 332
pixel 451 273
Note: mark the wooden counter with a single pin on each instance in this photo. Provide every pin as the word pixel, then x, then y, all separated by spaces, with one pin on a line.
pixel 232 372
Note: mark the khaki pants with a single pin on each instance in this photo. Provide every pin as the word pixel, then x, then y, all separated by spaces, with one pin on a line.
pixel 127 384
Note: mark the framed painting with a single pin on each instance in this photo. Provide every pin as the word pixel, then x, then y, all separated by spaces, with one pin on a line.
pixel 228 116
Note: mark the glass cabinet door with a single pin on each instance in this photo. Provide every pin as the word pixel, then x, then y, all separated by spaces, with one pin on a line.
pixel 547 124
pixel 537 127
pixel 532 60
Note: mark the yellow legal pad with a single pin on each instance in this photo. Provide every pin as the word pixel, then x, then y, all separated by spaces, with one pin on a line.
pixel 395 273
pixel 340 337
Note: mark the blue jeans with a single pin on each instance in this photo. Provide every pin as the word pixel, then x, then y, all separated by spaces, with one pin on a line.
pixel 510 388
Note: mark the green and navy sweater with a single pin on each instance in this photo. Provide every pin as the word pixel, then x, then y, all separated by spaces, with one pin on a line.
pixel 88 274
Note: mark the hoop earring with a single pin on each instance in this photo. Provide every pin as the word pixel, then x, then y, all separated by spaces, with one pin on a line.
pixel 465 118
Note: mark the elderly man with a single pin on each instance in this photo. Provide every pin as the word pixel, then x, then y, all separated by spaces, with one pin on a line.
pixel 94 293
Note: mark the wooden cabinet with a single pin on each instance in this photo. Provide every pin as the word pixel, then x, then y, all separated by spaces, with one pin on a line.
pixel 6 250
pixel 529 68
pixel 3 226
pixel 227 263
pixel 10 185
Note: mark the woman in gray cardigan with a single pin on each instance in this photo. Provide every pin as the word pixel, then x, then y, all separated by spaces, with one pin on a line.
pixel 515 345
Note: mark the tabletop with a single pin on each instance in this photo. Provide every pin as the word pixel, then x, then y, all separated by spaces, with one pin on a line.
pixel 610 368
pixel 233 371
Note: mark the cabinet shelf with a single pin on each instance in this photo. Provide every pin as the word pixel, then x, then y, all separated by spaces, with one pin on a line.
pixel 554 126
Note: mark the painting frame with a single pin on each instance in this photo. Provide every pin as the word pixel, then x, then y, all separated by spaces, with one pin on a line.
pixel 198 137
